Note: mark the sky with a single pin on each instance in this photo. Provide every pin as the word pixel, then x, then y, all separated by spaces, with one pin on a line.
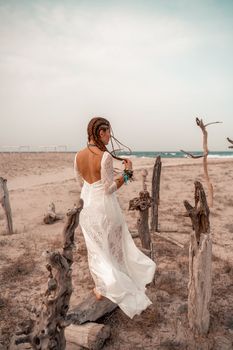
pixel 150 67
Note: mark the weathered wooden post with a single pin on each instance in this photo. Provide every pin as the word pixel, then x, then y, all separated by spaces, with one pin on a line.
pixel 142 204
pixel 144 174
pixel 155 194
pixel 5 202
pixel 231 141
pixel 200 256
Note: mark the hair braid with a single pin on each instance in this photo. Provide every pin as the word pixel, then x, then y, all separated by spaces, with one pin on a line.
pixel 93 129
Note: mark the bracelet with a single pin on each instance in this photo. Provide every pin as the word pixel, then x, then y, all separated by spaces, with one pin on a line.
pixel 127 175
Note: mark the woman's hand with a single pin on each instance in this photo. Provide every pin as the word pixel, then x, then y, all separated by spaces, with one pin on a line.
pixel 128 164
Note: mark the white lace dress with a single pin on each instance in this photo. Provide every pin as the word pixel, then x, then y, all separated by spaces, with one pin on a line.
pixel 119 269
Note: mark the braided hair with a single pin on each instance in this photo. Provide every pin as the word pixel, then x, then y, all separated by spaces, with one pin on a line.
pixel 93 129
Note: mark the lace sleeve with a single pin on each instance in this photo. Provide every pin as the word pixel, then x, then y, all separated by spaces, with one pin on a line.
pixel 77 173
pixel 107 174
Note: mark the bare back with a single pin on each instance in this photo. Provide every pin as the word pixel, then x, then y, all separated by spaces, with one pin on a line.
pixel 89 164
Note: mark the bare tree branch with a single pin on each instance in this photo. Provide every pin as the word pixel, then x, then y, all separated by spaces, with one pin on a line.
pixel 231 141
pixel 193 155
pixel 205 153
pixel 212 123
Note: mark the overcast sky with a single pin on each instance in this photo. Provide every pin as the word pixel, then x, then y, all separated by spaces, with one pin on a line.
pixel 150 67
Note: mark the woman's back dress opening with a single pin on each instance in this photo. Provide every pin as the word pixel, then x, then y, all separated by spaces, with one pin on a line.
pixel 119 269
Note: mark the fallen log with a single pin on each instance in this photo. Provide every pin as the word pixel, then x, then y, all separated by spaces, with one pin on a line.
pixel 51 215
pixel 169 239
pixel 89 335
pixel 90 309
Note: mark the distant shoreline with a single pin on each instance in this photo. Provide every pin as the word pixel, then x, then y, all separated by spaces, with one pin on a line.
pixel 136 154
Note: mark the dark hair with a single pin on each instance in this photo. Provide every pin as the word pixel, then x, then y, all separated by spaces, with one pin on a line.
pixel 94 127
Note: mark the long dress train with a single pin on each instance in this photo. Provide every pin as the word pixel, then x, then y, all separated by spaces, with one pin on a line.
pixel 119 269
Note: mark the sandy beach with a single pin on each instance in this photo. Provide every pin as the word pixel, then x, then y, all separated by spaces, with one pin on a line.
pixel 35 180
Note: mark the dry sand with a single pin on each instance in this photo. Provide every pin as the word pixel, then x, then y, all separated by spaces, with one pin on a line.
pixel 34 180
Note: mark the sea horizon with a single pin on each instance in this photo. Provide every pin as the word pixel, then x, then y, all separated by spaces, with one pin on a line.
pixel 133 154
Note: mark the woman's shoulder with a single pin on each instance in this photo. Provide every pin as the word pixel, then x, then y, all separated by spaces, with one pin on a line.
pixel 85 151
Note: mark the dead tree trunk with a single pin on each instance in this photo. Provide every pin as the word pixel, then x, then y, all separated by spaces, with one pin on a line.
pixel 48 332
pixel 203 126
pixel 231 141
pixel 200 256
pixel 5 202
pixel 155 194
pixel 142 204
pixel 205 166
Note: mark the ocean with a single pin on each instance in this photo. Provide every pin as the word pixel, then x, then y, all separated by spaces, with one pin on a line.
pixel 144 154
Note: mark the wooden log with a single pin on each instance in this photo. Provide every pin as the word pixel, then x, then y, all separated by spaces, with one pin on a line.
pixel 169 239
pixel 155 194
pixel 48 332
pixel 142 204
pixel 90 309
pixel 51 215
pixel 200 256
pixel 89 335
pixel 5 202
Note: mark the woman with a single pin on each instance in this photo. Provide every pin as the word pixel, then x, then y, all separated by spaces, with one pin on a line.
pixel 119 269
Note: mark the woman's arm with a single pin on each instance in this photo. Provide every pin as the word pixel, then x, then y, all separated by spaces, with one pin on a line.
pixel 77 173
pixel 120 180
pixel 107 177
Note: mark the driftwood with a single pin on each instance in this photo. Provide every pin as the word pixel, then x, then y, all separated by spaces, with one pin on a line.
pixel 48 332
pixel 200 256
pixel 90 310
pixel 155 194
pixel 153 257
pixel 142 204
pixel 51 215
pixel 231 141
pixel 203 126
pixel 168 239
pixel 90 335
pixel 5 202
pixel 144 174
